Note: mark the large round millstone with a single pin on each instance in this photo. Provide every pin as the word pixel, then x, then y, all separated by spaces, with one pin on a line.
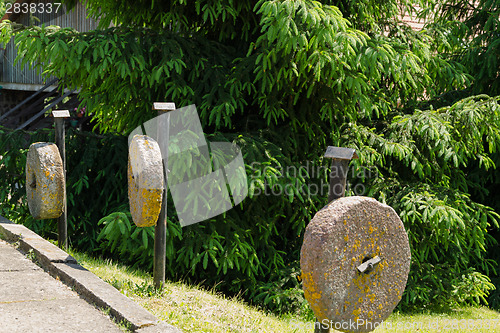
pixel 342 236
pixel 145 180
pixel 45 183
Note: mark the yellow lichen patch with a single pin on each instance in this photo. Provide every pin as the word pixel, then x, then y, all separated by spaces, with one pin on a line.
pixel 151 206
pixel 148 143
pixel 313 295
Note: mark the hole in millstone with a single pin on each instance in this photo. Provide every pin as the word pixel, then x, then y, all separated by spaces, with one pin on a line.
pixel 33 183
pixel 366 259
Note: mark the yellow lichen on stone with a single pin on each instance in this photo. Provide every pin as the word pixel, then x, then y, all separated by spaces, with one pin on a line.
pixel 312 295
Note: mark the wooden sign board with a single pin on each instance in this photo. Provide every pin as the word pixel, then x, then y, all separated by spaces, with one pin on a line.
pixel 159 106
pixel 60 114
pixel 340 153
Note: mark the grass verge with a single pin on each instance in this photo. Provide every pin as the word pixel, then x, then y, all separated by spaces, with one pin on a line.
pixel 194 309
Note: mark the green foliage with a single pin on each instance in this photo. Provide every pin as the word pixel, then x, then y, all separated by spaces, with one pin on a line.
pixel 422 161
pixel 130 242
pixel 472 288
pixel 128 68
pixel 303 62
pixel 13 150
pixel 96 183
pixel 468 31
pixel 284 293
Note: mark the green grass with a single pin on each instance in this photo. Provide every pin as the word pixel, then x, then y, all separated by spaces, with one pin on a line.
pixel 194 309
pixel 469 319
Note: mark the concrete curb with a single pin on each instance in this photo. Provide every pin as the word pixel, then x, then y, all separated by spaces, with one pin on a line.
pixel 61 265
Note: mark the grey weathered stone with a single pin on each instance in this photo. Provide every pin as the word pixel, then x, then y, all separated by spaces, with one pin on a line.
pixel 340 237
pixel 45 183
pixel 145 180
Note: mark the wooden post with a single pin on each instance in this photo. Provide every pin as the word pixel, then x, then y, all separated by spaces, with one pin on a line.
pixel 340 165
pixel 338 177
pixel 62 221
pixel 161 225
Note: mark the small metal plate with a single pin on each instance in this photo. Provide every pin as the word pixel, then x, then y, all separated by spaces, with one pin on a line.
pixel 160 106
pixel 340 238
pixel 340 153
pixel 368 265
pixel 60 114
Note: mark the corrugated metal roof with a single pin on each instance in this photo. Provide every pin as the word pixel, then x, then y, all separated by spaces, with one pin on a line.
pixel 76 18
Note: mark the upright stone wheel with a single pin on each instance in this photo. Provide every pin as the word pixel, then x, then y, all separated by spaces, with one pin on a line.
pixel 45 183
pixel 145 180
pixel 355 261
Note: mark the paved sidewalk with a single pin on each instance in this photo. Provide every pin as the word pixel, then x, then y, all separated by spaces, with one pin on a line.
pixel 33 301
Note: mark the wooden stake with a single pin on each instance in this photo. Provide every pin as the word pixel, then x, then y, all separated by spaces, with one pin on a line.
pixel 62 221
pixel 161 225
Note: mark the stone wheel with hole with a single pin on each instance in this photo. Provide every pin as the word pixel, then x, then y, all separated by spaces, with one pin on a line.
pixel 45 183
pixel 355 261
pixel 145 180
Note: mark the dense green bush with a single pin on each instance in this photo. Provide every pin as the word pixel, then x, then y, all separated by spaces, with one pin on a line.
pixel 425 160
